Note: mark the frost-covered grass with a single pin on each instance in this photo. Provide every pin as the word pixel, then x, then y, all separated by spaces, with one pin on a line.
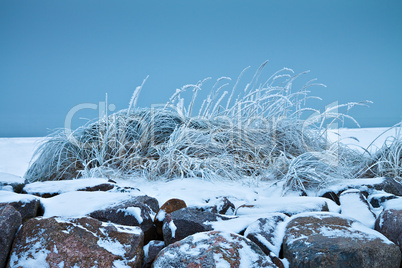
pixel 387 161
pixel 261 131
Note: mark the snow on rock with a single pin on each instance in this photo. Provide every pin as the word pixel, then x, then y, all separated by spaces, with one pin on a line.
pixel 136 211
pixel 197 192
pixel 370 186
pixel 10 182
pixel 76 204
pixel 26 205
pixel 76 242
pixel 287 205
pixel 316 239
pixel 53 188
pixel 395 203
pixel 355 205
pixel 268 232
pixel 213 249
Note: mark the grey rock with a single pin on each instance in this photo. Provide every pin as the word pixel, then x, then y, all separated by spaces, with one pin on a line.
pixel 151 250
pixel 139 211
pixel 329 240
pixel 10 221
pixel 389 223
pixel 187 221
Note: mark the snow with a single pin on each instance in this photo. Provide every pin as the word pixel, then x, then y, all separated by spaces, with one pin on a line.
pixel 338 186
pixel 393 204
pixel 10 178
pixel 10 197
pixel 272 227
pixel 264 205
pixel 364 136
pixel 133 211
pixel 58 187
pixel 113 247
pixel 76 204
pixel 172 228
pixel 352 206
pixel 16 153
pixel 33 257
pixel 370 233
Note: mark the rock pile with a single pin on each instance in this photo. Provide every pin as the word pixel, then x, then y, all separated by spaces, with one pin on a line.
pixel 96 223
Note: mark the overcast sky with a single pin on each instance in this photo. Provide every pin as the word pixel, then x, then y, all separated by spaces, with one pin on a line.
pixel 55 55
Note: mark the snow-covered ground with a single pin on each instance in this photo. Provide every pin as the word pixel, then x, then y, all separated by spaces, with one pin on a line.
pixel 367 138
pixel 16 153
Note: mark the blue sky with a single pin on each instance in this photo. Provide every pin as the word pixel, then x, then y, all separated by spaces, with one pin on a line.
pixel 55 55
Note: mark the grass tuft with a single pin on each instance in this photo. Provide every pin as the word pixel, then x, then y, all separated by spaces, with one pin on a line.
pixel 259 131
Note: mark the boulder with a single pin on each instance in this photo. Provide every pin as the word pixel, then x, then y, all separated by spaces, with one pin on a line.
pixel 268 233
pixel 354 205
pixel 213 249
pixel 187 221
pixel 139 211
pixel 27 205
pixel 79 242
pixel 10 221
pixel 151 250
pixel 330 240
pixel 168 207
pixel 389 223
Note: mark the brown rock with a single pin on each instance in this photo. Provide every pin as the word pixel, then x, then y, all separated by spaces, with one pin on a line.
pixel 10 221
pixel 81 242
